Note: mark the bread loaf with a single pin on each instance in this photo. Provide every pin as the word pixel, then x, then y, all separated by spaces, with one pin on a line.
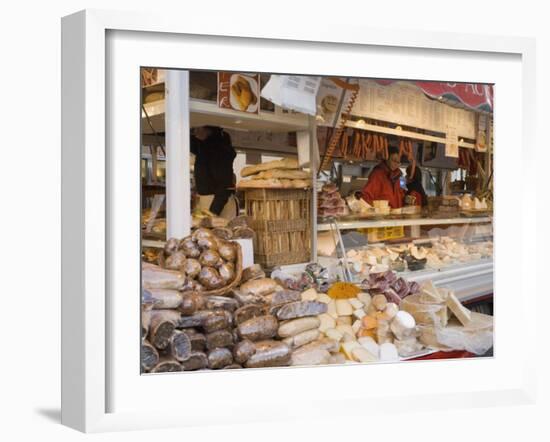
pixel 286 163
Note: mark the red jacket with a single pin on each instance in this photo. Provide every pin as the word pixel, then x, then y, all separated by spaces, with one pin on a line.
pixel 383 184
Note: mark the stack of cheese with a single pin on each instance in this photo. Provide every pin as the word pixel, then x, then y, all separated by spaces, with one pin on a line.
pixel 444 323
pixel 278 174
pixel 367 329
pixel 381 207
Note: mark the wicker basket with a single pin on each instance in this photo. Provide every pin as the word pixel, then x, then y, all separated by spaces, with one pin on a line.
pixel 281 219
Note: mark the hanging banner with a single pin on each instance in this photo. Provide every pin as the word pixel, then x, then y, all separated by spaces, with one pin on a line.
pixel 240 92
pixel 476 96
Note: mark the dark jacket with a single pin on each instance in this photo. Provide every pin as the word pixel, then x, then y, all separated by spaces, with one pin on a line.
pixel 214 167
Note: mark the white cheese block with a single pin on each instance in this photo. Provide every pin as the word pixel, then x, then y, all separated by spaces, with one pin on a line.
pixel 356 326
pixel 309 295
pixel 361 354
pixel 326 322
pixel 391 310
pixel 365 298
pixel 359 313
pixel 462 313
pixel 322 297
pixel 343 307
pixel 346 329
pixel 331 309
pixel 370 344
pixel 379 302
pixel 403 325
pixel 388 352
pixel 337 358
pixel 343 320
pixel 335 334
pixel 348 347
pixel 355 303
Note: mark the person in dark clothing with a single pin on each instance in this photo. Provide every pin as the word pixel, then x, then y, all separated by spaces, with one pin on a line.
pixel 213 165
pixel 415 191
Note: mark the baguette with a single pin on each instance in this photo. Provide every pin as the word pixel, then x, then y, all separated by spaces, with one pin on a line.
pixel 286 163
pixel 281 173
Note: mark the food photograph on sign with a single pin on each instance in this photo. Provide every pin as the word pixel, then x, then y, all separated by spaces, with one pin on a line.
pixel 309 221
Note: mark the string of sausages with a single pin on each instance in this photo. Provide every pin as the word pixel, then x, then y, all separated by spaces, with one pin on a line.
pixel 340 129
pixel 406 149
pixel 362 145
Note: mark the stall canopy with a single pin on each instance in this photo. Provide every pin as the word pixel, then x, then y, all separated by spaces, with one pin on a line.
pixel 475 96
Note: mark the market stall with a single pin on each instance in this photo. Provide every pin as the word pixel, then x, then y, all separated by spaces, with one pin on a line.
pixel 307 273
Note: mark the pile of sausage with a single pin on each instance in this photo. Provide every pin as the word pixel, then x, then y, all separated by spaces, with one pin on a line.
pixel 260 324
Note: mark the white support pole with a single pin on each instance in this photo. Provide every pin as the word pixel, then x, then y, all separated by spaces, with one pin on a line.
pixel 313 149
pixel 178 184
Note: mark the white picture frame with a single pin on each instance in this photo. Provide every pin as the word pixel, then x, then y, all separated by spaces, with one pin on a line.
pixel 90 316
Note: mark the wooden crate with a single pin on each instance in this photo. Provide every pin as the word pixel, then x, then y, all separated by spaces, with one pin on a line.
pixel 281 219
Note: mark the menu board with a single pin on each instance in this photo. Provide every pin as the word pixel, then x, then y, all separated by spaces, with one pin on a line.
pixel 405 104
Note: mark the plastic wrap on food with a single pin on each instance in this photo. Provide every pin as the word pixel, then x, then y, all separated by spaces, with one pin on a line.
pixel 476 338
pixel 425 314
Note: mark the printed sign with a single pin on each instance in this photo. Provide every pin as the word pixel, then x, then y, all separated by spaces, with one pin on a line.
pixel 481 138
pixel 451 143
pixel 240 92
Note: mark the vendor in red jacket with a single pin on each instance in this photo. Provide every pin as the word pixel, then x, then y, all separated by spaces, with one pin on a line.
pixel 383 182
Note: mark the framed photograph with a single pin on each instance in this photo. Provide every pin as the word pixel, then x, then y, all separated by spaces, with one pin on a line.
pixel 223 242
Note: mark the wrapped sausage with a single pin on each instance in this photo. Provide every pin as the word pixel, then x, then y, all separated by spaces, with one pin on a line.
pixel 166 365
pixel 171 246
pixel 221 302
pixel 202 233
pixel 259 328
pixel 165 298
pixel 220 338
pixel 269 354
pixel 180 346
pixel 223 233
pixel 219 320
pixel 197 340
pixel 149 356
pixel 227 251
pixel 261 287
pixel 209 258
pixel 295 326
pixel 255 271
pixel 247 312
pixel 219 358
pixel 227 272
pixel 155 277
pixel 191 267
pixel 210 278
pixel 243 351
pixel 302 338
pixel 189 248
pixel 191 302
pixel 175 261
pixel 163 324
pixel 301 309
pixel 208 243
pixel 196 361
